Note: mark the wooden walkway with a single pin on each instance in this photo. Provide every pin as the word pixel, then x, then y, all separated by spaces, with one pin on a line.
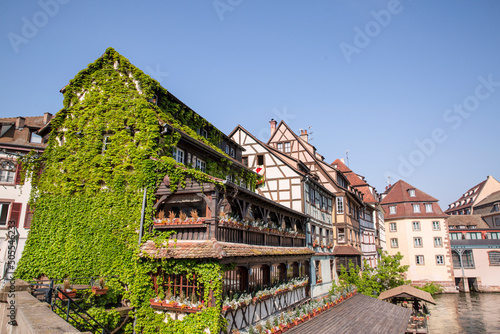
pixel 358 315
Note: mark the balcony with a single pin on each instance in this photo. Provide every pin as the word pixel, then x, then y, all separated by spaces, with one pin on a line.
pixel 237 232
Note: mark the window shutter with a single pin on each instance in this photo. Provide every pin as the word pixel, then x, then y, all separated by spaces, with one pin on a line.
pixel 29 216
pixel 15 214
pixel 17 179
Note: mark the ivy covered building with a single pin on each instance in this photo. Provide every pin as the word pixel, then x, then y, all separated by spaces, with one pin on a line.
pixel 136 184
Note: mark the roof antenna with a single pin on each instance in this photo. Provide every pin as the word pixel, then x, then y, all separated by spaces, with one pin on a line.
pixel 347 157
pixel 310 139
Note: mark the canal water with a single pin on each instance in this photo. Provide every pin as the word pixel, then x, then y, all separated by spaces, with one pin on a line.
pixel 465 313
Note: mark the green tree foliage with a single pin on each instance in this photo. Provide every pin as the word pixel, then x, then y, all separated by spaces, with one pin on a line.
pixel 372 281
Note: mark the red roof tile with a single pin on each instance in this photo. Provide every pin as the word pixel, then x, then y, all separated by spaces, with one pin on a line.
pixel 466 220
pixel 398 193
pixel 467 199
pixel 341 166
pixel 197 249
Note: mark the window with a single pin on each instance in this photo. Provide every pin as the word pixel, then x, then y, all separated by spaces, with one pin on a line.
pixel 204 133
pixel 456 236
pixel 493 235
pixel 153 100
pixel 227 149
pixel 416 226
pixel 105 142
pixel 473 235
pixel 435 226
pixel 467 259
pixel 438 242
pixel 4 210
pixel 260 159
pixel 341 235
pixel 497 221
pixel 200 164
pixel 495 208
pixel 411 192
pixel 287 147
pixel 278 273
pixel 394 243
pixel 232 152
pixel 393 227
pixel 178 155
pixel 392 210
pixel 7 176
pixel 35 138
pixel 417 242
pixel 259 276
pixel 245 161
pixel 428 207
pixel 419 259
pixel 318 271
pixel 340 205
pixel 416 208
pixel 280 147
pixel 439 259
pixel 494 258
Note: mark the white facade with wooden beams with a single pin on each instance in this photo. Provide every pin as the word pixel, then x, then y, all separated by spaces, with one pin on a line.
pixel 289 181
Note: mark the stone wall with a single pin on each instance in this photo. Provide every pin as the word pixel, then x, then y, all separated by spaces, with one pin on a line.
pixel 30 316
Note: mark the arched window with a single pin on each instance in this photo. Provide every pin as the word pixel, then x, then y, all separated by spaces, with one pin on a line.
pixel 235 280
pixel 278 273
pixel 259 277
pixel 293 270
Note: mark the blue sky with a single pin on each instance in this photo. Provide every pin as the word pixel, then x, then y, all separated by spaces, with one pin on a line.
pixel 410 88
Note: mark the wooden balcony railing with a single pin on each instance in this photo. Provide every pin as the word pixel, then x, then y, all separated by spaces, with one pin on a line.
pixel 258 237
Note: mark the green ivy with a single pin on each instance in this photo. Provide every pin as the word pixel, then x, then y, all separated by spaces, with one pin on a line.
pixel 88 198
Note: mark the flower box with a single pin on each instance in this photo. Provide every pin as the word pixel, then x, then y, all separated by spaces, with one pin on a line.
pixel 70 294
pixel 98 291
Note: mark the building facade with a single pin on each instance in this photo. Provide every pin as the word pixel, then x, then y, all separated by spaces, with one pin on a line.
pixel 18 137
pixel 465 204
pixel 416 227
pixel 489 209
pixel 289 182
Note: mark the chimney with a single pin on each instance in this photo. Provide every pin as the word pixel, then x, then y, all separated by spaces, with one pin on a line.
pixel 273 125
pixel 20 122
pixel 304 135
pixel 47 117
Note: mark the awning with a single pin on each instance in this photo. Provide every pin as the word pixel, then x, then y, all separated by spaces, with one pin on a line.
pixel 407 292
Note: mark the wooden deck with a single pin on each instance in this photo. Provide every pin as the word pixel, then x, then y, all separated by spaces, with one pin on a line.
pixel 358 315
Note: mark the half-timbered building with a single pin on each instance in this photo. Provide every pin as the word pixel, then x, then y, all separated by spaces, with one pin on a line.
pixel 290 182
pixel 348 201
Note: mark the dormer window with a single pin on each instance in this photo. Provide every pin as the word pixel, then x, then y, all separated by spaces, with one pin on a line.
pixel 232 152
pixel 411 192
pixel 428 207
pixel 416 208
pixel 227 149
pixel 35 138
pixel 392 210
pixel 280 146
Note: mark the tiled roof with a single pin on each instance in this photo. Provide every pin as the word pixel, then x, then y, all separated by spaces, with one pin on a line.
pixel 491 198
pixel 341 166
pixel 467 199
pixel 367 194
pixel 354 180
pixel 20 136
pixel 398 193
pixel 198 249
pixel 466 220
pixel 345 250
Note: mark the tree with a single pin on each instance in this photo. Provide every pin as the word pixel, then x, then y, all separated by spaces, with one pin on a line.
pixel 372 281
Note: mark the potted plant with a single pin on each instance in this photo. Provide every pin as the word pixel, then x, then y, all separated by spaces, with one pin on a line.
pixel 100 288
pixel 71 293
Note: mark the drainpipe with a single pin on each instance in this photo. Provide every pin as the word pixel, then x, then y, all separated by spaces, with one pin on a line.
pixel 142 215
